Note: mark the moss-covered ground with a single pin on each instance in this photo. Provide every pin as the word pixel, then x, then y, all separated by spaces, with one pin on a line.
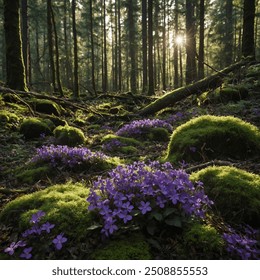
pixel 26 186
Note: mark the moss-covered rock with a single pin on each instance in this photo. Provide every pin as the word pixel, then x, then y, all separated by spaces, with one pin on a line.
pixel 202 242
pixel 235 192
pixel 69 135
pixel 158 134
pixel 132 247
pixel 46 106
pixel 35 127
pixel 209 137
pixel 64 205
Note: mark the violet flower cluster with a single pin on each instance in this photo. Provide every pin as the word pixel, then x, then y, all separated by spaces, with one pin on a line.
pixel 136 189
pixel 35 231
pixel 112 145
pixel 242 244
pixel 140 126
pixel 66 156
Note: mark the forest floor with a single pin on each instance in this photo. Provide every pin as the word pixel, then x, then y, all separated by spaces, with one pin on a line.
pixel 105 117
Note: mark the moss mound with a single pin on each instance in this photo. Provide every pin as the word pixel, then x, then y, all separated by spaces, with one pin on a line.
pixel 65 206
pixel 35 127
pixel 133 247
pixel 7 117
pixel 69 135
pixel 202 242
pixel 209 137
pixel 235 192
pixel 46 106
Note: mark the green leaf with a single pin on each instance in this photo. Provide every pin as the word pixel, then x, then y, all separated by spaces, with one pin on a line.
pixel 169 211
pixel 151 227
pixel 94 227
pixel 158 217
pixel 175 221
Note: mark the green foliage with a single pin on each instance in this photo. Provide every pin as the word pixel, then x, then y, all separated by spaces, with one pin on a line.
pixel 202 242
pixel 132 247
pixel 65 206
pixel 46 106
pixel 33 174
pixel 69 135
pixel 158 134
pixel 235 192
pixel 213 137
pixel 34 127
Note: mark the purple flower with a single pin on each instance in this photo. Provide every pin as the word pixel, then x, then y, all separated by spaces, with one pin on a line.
pixel 59 240
pixel 193 149
pixel 37 216
pixel 145 207
pixel 125 216
pixel 10 250
pixel 47 227
pixel 26 253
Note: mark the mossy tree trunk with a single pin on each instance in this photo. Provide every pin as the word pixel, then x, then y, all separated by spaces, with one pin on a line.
pixel 196 88
pixel 15 70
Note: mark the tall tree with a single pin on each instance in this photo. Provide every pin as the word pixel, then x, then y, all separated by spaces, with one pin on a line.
pixel 92 46
pixel 105 71
pixel 131 8
pixel 228 37
pixel 248 41
pixel 201 40
pixel 175 50
pixel 164 47
pixel 191 69
pixel 150 48
pixel 144 44
pixel 50 44
pixel 15 70
pixel 119 46
pixel 75 50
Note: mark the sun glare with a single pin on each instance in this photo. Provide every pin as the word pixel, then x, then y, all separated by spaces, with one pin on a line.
pixel 179 40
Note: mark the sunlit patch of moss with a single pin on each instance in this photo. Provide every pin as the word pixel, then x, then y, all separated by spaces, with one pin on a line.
pixel 202 242
pixel 69 135
pixel 212 137
pixel 8 117
pixel 235 192
pixel 35 127
pixel 132 247
pixel 65 206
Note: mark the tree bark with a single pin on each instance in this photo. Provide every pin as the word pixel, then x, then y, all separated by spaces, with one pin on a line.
pixel 150 48
pixel 196 88
pixel 248 40
pixel 144 44
pixel 75 50
pixel 15 70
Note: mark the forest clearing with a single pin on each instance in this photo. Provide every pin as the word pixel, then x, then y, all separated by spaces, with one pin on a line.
pixel 135 144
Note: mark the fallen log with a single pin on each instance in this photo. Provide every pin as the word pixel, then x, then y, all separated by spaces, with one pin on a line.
pixel 197 88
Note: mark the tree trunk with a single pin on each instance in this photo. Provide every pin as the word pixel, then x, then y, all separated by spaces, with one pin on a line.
pixel 191 69
pixel 57 55
pixel 228 37
pixel 150 49
pixel 132 45
pixel 105 74
pixel 119 48
pixel 176 47
pixel 196 88
pixel 201 41
pixel 248 42
pixel 164 47
pixel 15 70
pixel 50 45
pixel 92 47
pixel 75 50
pixel 144 44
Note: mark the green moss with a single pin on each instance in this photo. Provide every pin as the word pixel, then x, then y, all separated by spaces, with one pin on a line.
pixel 65 206
pixel 125 140
pixel 235 192
pixel 8 117
pixel 46 106
pixel 132 247
pixel 69 135
pixel 213 137
pixel 34 174
pixel 158 134
pixel 128 150
pixel 34 127
pixel 202 242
